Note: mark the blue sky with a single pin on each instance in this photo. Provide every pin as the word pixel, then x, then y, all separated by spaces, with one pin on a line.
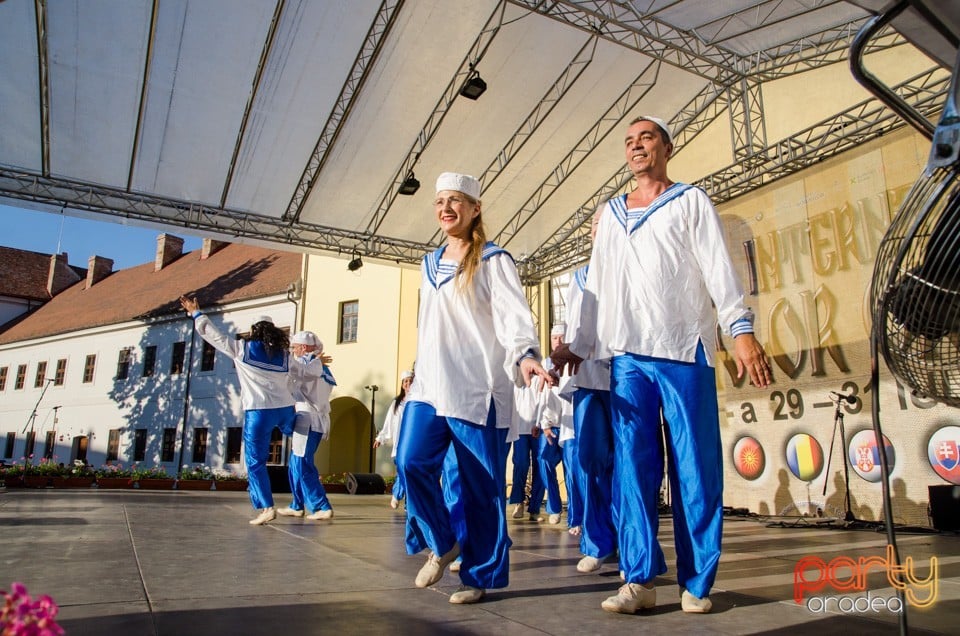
pixel 50 233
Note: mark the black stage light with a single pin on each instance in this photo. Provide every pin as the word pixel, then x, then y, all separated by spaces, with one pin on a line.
pixel 409 186
pixel 355 264
pixel 473 87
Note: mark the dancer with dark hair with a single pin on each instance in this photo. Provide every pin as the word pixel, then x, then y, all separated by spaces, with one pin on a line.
pixel 263 365
pixel 476 341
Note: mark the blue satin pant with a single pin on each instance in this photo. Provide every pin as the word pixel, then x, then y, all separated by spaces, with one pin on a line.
pixel 481 460
pixel 594 461
pixel 574 482
pixel 548 458
pixel 524 455
pixel 258 425
pixel 686 392
pixel 304 478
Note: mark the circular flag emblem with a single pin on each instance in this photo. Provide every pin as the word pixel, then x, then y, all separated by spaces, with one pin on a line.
pixel 748 458
pixel 864 456
pixel 942 451
pixel 804 457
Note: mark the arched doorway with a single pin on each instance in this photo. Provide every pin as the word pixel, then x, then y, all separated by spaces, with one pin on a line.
pixel 348 450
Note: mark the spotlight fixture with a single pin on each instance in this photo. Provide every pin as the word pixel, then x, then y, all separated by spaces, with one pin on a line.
pixel 474 86
pixel 409 186
pixel 356 263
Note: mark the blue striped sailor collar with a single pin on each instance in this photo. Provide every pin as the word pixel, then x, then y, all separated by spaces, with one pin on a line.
pixel 632 220
pixel 440 271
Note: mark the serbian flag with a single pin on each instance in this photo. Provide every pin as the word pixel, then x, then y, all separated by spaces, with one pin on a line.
pixel 749 458
pixel 865 456
pixel 943 452
pixel 804 457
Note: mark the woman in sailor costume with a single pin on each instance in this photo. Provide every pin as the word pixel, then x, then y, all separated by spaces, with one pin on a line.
pixel 263 365
pixel 390 432
pixel 476 341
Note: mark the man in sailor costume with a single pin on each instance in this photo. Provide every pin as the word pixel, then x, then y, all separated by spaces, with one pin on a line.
pixel 659 266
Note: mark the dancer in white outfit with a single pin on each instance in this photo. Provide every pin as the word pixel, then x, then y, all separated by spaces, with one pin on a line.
pixel 312 425
pixel 390 432
pixel 476 340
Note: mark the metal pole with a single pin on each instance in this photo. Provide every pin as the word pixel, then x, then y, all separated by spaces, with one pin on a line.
pixel 373 388
pixel 186 396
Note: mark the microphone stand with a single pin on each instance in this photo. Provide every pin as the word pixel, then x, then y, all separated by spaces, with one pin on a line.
pixel 32 420
pixel 850 520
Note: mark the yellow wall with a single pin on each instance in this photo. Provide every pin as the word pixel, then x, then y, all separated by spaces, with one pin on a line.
pixel 386 345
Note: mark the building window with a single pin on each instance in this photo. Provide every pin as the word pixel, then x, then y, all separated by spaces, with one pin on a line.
pixel 139 444
pixel 49 444
pixel 31 442
pixel 123 363
pixel 89 366
pixel 149 360
pixel 349 317
pixel 113 445
pixel 168 444
pixel 61 375
pixel 199 445
pixel 3 378
pixel 8 449
pixel 21 376
pixel 41 376
pixel 234 440
pixel 207 357
pixel 176 360
pixel 276 447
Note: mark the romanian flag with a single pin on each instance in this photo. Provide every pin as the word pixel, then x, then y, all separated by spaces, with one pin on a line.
pixel 749 458
pixel 804 456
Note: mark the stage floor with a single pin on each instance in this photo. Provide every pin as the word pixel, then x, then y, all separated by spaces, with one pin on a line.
pixel 136 562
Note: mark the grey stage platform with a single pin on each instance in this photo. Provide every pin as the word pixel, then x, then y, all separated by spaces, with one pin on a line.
pixel 178 563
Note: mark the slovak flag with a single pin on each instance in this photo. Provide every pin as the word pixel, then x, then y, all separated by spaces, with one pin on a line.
pixel 943 453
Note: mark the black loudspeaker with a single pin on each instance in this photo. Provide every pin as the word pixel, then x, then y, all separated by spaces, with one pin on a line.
pixel 365 484
pixel 945 507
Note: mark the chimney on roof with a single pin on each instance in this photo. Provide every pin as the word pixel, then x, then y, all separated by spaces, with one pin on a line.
pixel 169 249
pixel 98 268
pixel 60 275
pixel 211 247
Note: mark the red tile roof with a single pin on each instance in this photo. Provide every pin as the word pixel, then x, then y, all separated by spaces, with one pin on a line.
pixel 23 274
pixel 236 272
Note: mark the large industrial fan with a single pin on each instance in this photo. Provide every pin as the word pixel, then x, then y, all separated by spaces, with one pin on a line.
pixel 915 293
pixel 915 290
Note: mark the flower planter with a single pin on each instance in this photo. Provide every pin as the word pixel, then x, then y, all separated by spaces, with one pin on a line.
pixel 36 481
pixel 334 488
pixel 195 484
pixel 114 482
pixel 231 484
pixel 71 482
pixel 155 484
pixel 12 481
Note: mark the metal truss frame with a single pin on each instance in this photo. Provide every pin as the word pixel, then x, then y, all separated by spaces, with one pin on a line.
pixel 604 125
pixel 198 218
pixel 369 51
pixel 432 125
pixel 544 106
pixel 863 122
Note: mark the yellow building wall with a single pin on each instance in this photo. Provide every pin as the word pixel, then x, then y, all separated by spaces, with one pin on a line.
pixel 385 345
